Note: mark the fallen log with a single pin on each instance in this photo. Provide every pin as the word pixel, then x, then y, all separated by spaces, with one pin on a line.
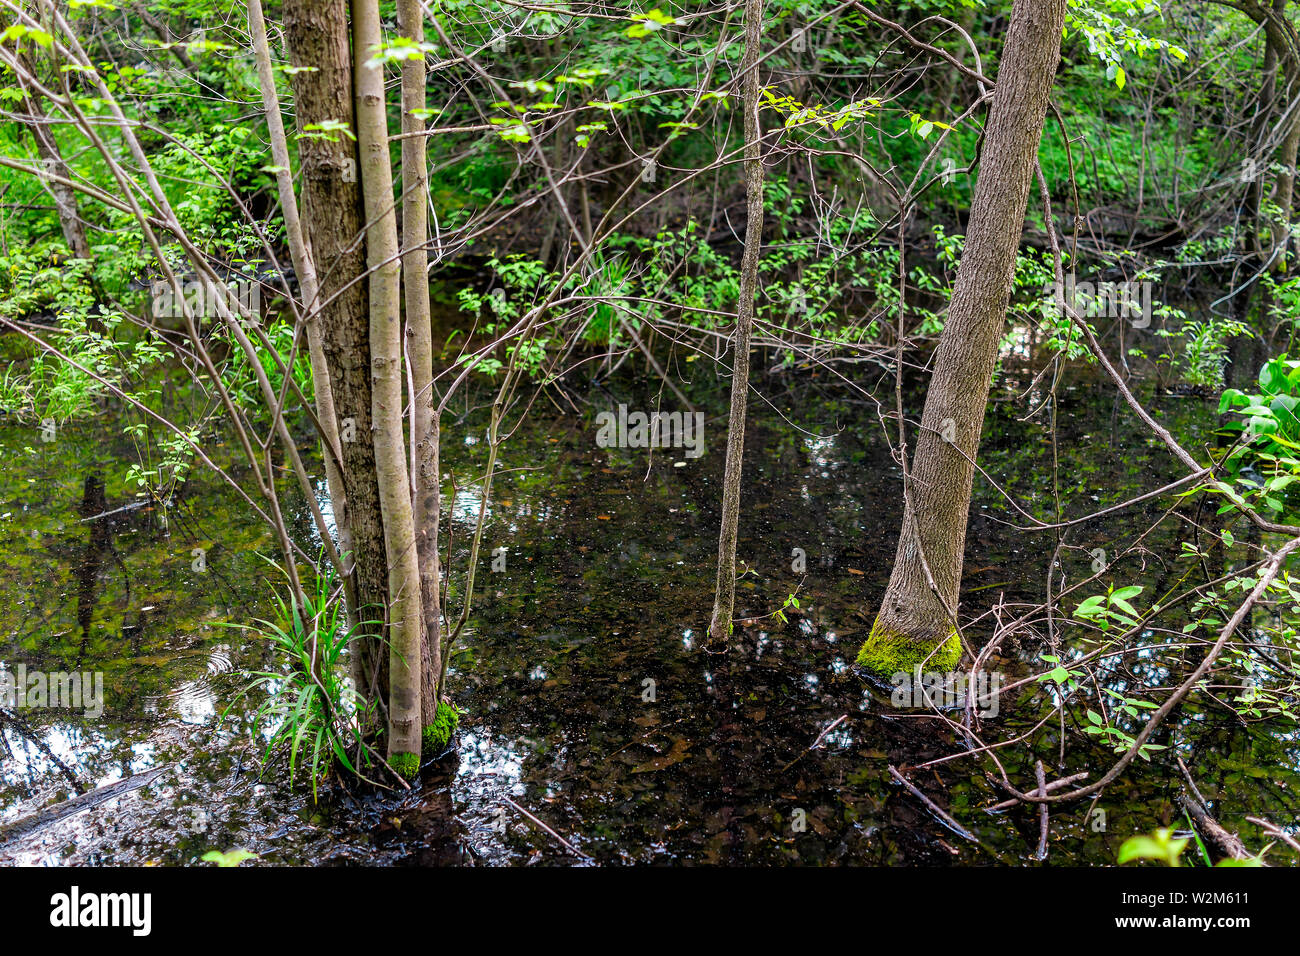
pixel 61 811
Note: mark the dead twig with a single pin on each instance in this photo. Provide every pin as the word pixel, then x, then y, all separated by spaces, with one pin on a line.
pixel 1227 844
pixel 1212 832
pixel 1054 785
pixel 1273 830
pixel 820 737
pixel 933 807
pixel 1041 853
pixel 566 844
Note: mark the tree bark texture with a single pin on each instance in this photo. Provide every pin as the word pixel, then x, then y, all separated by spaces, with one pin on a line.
pixel 915 624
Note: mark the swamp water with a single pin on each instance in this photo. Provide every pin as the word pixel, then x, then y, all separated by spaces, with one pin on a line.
pixel 590 701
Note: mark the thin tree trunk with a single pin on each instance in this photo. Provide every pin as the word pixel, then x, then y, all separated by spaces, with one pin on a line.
pixel 419 331
pixel 405 609
pixel 316 35
pixel 1286 158
pixel 1277 122
pixel 1238 368
pixel 1281 85
pixel 65 201
pixel 725 589
pixel 916 623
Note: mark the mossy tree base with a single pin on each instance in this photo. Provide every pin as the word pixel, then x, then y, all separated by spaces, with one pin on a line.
pixel 888 652
pixel 438 734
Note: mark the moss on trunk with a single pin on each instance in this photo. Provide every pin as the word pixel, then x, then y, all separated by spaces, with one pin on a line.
pixel 888 652
pixel 405 765
pixel 437 735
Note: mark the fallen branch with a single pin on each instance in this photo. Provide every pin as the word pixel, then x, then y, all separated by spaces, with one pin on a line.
pixel 85 801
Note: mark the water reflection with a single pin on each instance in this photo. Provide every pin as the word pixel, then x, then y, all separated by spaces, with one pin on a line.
pixel 591 702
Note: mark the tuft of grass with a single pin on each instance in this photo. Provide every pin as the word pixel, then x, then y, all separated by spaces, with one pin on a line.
pixel 312 712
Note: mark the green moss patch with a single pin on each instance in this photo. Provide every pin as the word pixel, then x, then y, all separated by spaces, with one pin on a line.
pixel 888 652
pixel 405 765
pixel 437 735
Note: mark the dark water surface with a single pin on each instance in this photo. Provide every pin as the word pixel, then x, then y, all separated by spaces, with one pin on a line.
pixel 607 586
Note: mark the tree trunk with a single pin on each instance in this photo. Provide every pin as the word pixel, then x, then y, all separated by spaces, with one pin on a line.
pixel 725 588
pixel 1269 235
pixel 65 199
pixel 916 623
pixel 404 609
pixel 419 331
pixel 316 36
pixel 304 264
pixel 1281 62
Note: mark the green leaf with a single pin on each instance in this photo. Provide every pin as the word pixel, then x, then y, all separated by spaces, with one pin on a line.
pixel 647 23
pixel 1124 606
pixel 1157 846
pixel 229 857
pixel 326 130
pixel 1090 606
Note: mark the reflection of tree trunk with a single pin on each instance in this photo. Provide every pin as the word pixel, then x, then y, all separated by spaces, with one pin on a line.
pixel 316 36
pixel 728 729
pixel 915 623
pixel 93 503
